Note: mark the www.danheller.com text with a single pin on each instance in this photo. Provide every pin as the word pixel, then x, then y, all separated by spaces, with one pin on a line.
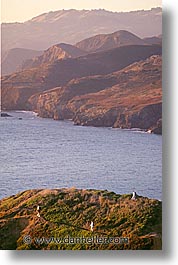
pixel 76 240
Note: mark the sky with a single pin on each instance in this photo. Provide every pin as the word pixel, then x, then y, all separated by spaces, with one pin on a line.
pixel 23 10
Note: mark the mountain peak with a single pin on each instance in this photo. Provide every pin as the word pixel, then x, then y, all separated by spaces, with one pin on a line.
pixel 59 51
pixel 102 42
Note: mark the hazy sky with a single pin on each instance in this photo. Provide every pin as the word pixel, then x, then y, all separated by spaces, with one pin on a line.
pixel 22 10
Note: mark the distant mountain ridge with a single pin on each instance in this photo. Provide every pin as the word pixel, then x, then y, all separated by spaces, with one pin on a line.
pixel 13 59
pixel 71 26
pixel 18 59
pixel 98 43
pixel 104 42
pixel 18 87
pixel 153 40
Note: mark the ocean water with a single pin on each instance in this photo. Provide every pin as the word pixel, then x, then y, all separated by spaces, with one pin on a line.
pixel 43 153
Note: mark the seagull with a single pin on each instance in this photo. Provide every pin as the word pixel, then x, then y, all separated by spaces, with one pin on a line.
pixel 38 215
pixel 133 195
pixel 91 226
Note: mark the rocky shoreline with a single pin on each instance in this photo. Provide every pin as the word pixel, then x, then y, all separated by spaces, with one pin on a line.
pixel 70 212
pixel 109 120
pixel 129 98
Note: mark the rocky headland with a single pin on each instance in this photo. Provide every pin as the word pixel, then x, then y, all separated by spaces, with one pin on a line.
pixel 112 80
pixel 129 98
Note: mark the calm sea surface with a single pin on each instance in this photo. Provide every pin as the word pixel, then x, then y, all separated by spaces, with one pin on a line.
pixel 43 153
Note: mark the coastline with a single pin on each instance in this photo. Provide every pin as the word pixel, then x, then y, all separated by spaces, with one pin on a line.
pixel 138 130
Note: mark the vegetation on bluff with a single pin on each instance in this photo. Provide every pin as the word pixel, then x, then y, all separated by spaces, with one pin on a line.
pixel 67 213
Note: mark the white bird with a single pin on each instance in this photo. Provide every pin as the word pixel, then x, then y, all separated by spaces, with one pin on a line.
pixel 91 226
pixel 133 195
pixel 38 215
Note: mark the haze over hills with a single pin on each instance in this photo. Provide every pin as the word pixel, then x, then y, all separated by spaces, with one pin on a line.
pixel 103 42
pixel 96 43
pixel 18 87
pixel 71 26
pixel 153 40
pixel 19 59
pixel 13 59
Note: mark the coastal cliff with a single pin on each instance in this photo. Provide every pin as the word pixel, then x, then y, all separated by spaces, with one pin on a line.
pixel 129 98
pixel 18 87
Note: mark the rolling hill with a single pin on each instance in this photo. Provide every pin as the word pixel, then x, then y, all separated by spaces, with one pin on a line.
pixel 131 224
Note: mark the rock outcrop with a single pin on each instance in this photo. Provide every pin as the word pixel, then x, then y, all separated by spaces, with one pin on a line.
pixel 4 115
pixel 157 129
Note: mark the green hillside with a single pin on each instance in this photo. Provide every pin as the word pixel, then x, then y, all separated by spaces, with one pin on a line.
pixel 63 221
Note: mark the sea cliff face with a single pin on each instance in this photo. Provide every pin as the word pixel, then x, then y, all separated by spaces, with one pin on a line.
pixel 129 98
pixel 39 219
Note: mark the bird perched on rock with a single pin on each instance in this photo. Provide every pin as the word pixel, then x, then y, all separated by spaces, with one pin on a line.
pixel 134 195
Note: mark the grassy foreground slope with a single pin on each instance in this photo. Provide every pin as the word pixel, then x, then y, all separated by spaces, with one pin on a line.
pixel 67 213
